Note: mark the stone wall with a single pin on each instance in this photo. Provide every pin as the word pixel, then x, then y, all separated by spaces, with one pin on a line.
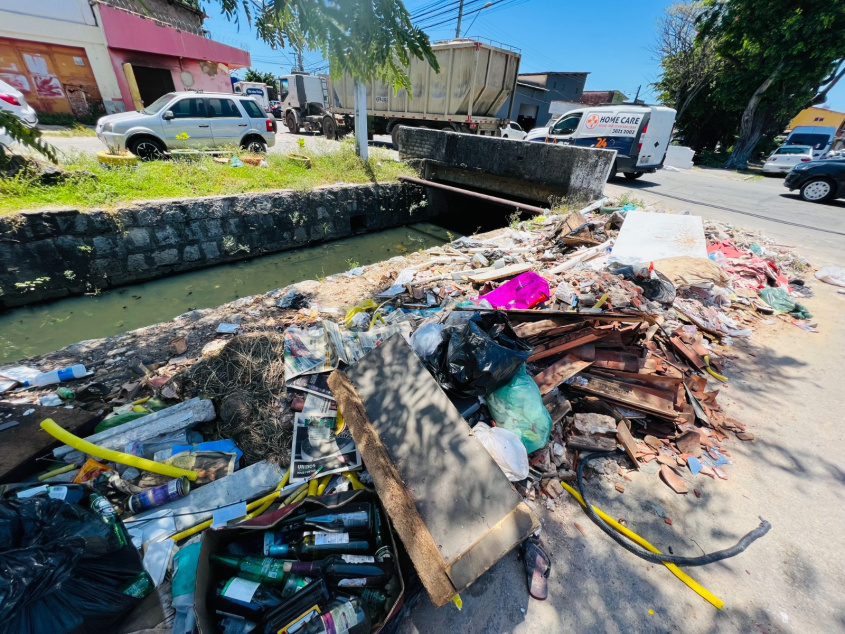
pixel 537 171
pixel 52 254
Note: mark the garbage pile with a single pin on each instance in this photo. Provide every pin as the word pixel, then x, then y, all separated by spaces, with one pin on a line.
pixel 249 485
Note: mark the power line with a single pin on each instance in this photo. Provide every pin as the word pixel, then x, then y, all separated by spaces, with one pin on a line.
pixel 493 4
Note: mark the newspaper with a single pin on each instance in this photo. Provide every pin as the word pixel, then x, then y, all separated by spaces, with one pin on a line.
pixel 317 444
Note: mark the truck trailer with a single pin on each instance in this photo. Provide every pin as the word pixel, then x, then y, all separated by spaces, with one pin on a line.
pixel 475 80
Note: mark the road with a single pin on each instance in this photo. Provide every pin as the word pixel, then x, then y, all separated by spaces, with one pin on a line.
pixel 285 142
pixel 787 388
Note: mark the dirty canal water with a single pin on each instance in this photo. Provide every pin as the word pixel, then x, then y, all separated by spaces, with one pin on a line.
pixel 33 330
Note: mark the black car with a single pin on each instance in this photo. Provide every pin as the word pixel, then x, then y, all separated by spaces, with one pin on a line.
pixel 819 181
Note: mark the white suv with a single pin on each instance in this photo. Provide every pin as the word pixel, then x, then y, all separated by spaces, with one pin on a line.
pixel 189 120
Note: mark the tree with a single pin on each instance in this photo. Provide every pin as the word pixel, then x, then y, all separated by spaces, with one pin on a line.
pixel 26 136
pixel 368 39
pixel 257 76
pixel 687 66
pixel 778 57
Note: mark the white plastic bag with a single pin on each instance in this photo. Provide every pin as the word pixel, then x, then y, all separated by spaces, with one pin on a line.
pixel 506 448
pixel 832 275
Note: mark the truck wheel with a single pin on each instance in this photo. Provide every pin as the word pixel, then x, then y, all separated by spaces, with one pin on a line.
pixel 632 176
pixel 394 136
pixel 329 128
pixel 292 122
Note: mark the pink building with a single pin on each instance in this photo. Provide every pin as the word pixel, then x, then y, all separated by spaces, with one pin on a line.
pixel 159 53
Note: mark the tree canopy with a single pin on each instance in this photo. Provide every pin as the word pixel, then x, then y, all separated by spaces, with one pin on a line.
pixel 763 61
pixel 367 38
pixel 257 76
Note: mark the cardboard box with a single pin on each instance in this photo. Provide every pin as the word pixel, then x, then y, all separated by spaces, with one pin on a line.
pixel 215 541
pixel 455 511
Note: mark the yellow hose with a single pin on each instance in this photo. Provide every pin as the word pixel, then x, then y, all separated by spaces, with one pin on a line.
pixel 265 502
pixel 680 574
pixel 324 482
pixel 62 435
pixel 353 480
pixel 55 472
pixel 711 371
pixel 312 487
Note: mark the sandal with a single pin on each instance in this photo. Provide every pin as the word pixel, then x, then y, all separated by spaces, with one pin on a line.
pixel 537 568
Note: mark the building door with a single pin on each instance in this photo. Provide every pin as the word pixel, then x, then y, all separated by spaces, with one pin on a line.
pixel 527 117
pixel 153 82
pixel 54 79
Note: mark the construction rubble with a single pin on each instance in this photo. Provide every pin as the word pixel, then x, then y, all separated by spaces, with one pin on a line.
pixel 233 469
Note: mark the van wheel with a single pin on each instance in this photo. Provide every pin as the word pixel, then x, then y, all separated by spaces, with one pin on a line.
pixel 147 149
pixel 632 176
pixel 292 123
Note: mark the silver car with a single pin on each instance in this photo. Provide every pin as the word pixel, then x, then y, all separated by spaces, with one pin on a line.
pixel 189 120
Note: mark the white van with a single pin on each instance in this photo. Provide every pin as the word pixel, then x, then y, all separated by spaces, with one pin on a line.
pixel 639 134
pixel 818 137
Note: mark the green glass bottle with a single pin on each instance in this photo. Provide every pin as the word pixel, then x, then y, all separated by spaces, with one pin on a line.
pixel 264 569
pixel 104 509
pixel 317 545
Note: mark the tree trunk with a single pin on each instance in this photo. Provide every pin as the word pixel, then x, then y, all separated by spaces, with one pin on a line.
pixel 750 127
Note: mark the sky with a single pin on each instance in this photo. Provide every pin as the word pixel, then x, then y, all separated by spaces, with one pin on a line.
pixel 610 39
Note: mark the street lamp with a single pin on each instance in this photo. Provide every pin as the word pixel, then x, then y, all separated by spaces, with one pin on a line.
pixel 489 4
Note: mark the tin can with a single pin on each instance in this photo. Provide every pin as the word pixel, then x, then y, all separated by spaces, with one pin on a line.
pixel 173 490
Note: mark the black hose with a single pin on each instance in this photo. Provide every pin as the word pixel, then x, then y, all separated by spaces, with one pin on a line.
pixel 703 560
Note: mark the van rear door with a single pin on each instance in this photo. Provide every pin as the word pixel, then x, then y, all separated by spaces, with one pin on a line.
pixel 655 137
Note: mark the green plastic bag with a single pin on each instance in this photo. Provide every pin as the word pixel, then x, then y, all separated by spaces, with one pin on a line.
pixel 518 407
pixel 780 300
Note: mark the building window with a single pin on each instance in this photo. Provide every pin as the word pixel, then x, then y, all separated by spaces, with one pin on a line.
pixel 819 119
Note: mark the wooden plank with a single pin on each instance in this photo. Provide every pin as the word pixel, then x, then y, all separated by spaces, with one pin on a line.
pixel 454 509
pixel 558 372
pixel 623 435
pixel 591 443
pixel 632 396
pixel 529 329
pixel 498 274
pixel 565 344
pixel 687 353
pixel 614 360
pixel 22 444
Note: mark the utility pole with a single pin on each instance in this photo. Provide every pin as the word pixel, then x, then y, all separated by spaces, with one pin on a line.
pixel 299 60
pixel 460 17
pixel 360 110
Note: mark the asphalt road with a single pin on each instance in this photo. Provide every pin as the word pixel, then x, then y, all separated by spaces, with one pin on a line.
pixel 786 385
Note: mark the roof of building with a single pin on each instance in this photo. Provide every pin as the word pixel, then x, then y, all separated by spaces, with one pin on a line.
pixel 530 85
pixel 556 72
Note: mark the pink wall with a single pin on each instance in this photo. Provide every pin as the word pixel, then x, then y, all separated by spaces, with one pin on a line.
pixel 206 76
pixel 130 32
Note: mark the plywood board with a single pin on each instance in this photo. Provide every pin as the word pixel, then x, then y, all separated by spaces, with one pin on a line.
pixel 26 441
pixel 558 372
pixel 454 509
pixel 488 275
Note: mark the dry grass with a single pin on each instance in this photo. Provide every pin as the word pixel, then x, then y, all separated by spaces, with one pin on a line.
pixel 246 382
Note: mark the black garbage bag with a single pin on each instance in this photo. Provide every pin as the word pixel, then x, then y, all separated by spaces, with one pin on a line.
pixel 657 288
pixel 478 355
pixel 62 569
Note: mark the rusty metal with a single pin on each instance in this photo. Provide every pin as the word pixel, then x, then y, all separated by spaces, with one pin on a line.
pixel 471 194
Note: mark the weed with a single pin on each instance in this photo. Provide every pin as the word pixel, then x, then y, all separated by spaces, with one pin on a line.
pixel 85 248
pixel 70 275
pixel 31 285
pixel 627 199
pixel 352 264
pixel 514 219
pixel 115 186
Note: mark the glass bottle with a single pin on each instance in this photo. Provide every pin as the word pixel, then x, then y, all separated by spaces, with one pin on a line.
pixel 342 574
pixel 263 569
pixel 247 598
pixel 344 615
pixel 317 545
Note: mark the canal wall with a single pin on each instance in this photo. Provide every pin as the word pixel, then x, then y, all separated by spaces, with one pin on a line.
pixel 547 173
pixel 51 254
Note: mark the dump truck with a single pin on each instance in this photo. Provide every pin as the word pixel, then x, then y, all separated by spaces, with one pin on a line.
pixel 475 80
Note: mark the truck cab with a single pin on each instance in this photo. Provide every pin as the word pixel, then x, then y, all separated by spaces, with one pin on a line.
pixel 304 104
pixel 639 134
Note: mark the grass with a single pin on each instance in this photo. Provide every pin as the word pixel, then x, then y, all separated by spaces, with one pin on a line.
pixel 96 186
pixel 75 130
pixel 627 199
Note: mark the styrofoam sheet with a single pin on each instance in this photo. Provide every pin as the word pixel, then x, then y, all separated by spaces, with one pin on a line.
pixel 645 237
